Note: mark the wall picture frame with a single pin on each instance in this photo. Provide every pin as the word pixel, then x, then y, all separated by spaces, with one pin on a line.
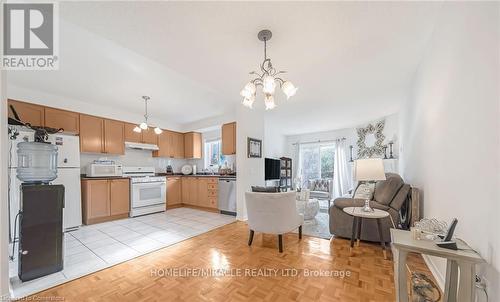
pixel 254 148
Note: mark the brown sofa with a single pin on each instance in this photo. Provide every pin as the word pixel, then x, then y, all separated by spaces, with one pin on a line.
pixel 391 195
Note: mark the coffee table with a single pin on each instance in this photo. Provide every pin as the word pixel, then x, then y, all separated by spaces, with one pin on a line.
pixel 358 215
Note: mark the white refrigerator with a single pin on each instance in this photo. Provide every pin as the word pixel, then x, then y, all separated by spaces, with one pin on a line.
pixel 68 175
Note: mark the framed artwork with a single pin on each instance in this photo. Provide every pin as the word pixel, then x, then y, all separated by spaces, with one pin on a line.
pixel 370 140
pixel 254 147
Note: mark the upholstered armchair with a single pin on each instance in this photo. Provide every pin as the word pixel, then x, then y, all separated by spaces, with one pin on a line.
pixel 273 213
pixel 320 188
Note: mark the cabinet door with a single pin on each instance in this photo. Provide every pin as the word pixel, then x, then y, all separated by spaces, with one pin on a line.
pixel 149 136
pixel 28 113
pixel 91 134
pixel 96 199
pixel 203 192
pixel 192 145
pixel 119 196
pixel 131 135
pixel 114 137
pixel 178 145
pixel 163 145
pixel 229 138
pixel 193 190
pixel 173 191
pixel 67 120
pixel 185 189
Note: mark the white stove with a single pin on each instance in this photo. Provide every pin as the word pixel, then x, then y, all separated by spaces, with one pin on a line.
pixel 148 193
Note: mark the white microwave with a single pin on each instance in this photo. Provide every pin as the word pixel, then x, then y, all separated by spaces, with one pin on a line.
pixel 104 170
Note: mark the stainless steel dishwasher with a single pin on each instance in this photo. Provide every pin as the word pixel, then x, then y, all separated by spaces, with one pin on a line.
pixel 227 195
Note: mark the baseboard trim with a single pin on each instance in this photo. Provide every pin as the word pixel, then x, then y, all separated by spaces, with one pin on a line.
pixel 435 272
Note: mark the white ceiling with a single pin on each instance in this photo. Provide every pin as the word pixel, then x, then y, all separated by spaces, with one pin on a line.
pixel 352 61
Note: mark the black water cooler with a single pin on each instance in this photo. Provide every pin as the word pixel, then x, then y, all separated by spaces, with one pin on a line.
pixel 40 230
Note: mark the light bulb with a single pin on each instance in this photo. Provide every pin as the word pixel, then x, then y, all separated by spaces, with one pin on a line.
pixel 248 102
pixel 137 129
pixel 288 89
pixel 268 84
pixel 245 93
pixel 269 101
pixel 158 130
pixel 143 126
pixel 250 87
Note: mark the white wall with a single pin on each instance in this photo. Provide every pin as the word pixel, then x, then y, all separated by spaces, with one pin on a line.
pixel 4 221
pixel 274 144
pixel 450 130
pixel 249 123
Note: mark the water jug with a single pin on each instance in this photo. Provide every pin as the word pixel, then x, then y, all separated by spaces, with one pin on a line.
pixel 37 162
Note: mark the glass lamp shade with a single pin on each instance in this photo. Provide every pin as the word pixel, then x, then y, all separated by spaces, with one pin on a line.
pixel 268 85
pixel 269 102
pixel 143 126
pixel 158 130
pixel 288 89
pixel 248 102
pixel 137 129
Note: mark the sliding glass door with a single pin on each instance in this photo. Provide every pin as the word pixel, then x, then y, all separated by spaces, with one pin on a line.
pixel 315 162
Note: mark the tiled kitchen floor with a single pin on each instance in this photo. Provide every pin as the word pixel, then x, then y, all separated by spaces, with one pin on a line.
pixel 94 247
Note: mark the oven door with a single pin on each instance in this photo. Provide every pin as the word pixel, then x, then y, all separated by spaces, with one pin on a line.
pixel 148 193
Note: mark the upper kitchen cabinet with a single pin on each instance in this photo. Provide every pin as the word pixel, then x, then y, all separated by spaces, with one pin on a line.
pixel 149 136
pixel 91 134
pixel 28 113
pixel 114 137
pixel 67 120
pixel 178 145
pixel 229 138
pixel 192 145
pixel 131 135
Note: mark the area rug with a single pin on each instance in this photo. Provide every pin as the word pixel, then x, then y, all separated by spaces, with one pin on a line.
pixel 317 227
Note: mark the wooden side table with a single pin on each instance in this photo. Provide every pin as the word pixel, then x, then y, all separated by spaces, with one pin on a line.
pixel 358 214
pixel 463 260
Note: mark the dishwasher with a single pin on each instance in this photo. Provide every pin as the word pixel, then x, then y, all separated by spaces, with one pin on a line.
pixel 227 195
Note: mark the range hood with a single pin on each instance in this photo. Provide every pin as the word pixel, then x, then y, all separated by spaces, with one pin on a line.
pixel 140 146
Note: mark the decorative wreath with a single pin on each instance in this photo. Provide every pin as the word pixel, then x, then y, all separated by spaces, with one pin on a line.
pixel 378 148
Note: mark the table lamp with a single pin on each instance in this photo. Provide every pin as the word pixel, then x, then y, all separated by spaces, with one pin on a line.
pixel 369 170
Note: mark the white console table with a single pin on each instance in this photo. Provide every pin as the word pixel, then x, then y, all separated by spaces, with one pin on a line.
pixel 457 289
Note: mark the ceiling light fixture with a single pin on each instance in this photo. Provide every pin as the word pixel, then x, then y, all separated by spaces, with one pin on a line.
pixel 144 125
pixel 268 79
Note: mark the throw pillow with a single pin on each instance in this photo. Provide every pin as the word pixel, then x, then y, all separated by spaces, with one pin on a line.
pixel 365 191
pixel 259 189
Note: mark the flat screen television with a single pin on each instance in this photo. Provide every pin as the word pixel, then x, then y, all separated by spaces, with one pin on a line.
pixel 272 169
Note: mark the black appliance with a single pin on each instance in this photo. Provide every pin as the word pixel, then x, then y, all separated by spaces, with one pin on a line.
pixel 40 230
pixel 272 169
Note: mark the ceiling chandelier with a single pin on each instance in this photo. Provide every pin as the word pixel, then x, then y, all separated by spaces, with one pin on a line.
pixel 268 79
pixel 144 125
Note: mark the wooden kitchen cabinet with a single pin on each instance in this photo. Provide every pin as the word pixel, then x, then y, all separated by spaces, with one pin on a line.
pixel 229 138
pixel 179 145
pixel 105 199
pixel 170 144
pixel 149 136
pixel 131 135
pixel 202 186
pixel 119 199
pixel 192 145
pixel 174 191
pixel 190 190
pixel 67 120
pixel 114 137
pixel 28 113
pixel 95 200
pixel 91 134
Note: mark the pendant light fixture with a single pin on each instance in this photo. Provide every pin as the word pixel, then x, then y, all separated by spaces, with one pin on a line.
pixel 268 79
pixel 144 125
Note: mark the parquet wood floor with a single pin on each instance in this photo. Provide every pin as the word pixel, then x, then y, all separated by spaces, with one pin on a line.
pixel 371 277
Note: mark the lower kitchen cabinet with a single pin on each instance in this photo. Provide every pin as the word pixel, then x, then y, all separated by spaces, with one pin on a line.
pixel 105 199
pixel 174 189
pixel 199 191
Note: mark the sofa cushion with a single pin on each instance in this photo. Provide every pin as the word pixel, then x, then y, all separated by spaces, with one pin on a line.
pixel 353 202
pixel 265 189
pixel 365 191
pixel 400 197
pixel 385 190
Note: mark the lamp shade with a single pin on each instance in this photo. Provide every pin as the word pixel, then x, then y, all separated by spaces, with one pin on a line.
pixel 369 169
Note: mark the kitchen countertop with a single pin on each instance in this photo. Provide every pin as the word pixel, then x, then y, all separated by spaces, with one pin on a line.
pixel 196 175
pixel 83 176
